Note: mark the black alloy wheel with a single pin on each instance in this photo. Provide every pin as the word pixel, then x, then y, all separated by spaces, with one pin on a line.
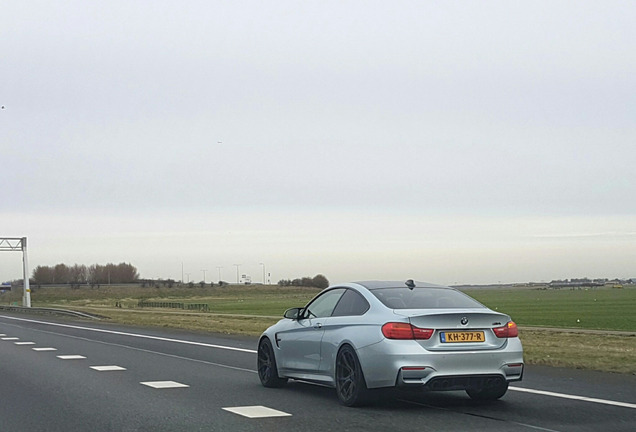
pixel 266 365
pixel 350 385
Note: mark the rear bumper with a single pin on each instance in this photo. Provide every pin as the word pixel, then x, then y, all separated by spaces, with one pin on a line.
pixel 405 363
pixel 445 383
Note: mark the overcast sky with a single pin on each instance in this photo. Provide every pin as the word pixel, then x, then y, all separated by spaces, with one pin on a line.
pixel 451 142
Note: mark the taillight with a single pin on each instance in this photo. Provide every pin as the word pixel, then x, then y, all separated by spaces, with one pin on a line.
pixel 394 330
pixel 397 330
pixel 422 333
pixel 507 331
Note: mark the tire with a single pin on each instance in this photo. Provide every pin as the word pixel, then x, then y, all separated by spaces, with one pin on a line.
pixel 488 394
pixel 350 384
pixel 266 365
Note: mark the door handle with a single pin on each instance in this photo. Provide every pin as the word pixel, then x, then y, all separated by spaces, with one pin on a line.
pixel 318 325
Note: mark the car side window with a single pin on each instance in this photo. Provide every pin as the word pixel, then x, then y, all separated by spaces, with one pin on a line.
pixel 351 303
pixel 323 305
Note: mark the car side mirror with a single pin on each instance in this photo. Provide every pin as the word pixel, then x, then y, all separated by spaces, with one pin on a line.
pixel 293 313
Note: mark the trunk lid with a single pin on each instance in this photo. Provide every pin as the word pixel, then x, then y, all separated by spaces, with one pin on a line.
pixel 458 330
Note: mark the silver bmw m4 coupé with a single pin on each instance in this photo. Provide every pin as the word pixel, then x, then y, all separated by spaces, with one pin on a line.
pixel 371 335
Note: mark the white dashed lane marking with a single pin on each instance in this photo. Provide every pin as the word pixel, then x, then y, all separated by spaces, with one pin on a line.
pixel 164 384
pixel 24 343
pixel 71 357
pixel 10 338
pixel 108 368
pixel 258 411
pixel 44 349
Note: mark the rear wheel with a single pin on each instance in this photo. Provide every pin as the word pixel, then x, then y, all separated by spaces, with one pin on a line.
pixel 350 385
pixel 266 365
pixel 490 393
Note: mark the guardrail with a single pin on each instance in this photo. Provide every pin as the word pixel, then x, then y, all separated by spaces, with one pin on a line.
pixel 172 305
pixel 49 311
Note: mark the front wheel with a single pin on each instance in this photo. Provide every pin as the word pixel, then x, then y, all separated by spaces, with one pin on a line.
pixel 266 365
pixel 488 394
pixel 350 385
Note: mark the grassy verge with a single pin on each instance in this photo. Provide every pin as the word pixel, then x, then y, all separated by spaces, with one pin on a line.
pixel 603 352
pixel 198 321
pixel 249 310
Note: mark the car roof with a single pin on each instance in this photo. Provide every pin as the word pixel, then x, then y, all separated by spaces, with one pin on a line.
pixel 371 285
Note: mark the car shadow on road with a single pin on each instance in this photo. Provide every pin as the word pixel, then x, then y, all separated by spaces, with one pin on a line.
pixel 392 399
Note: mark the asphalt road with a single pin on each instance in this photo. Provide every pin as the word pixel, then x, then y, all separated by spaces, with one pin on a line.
pixel 209 383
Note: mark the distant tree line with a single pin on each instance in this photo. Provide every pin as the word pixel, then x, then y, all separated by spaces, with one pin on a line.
pixel 318 281
pixel 79 274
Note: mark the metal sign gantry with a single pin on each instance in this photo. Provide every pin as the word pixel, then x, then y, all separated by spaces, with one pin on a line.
pixel 13 244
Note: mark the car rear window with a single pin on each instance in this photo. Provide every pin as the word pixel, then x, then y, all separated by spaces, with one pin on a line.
pixel 424 298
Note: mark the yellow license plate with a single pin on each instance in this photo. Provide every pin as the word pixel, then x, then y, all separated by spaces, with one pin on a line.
pixel 462 337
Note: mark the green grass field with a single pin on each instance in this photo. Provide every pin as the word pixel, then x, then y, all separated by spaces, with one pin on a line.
pixel 599 308
pixel 251 309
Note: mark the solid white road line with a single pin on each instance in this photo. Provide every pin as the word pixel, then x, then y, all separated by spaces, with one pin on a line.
pixel 251 351
pixel 568 396
pixel 257 412
pixel 163 384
